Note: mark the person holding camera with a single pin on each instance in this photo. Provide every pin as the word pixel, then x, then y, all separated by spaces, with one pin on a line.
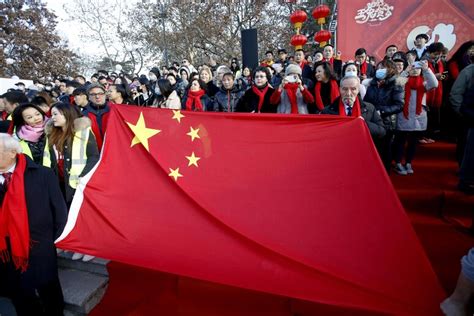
pixel 292 96
pixel 413 119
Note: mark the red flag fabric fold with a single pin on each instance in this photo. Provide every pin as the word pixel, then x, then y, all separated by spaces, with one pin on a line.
pixel 240 199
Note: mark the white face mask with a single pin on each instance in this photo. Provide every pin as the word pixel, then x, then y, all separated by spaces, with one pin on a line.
pixel 351 73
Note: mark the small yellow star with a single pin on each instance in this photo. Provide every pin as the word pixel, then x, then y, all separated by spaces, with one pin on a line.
pixel 177 115
pixel 175 174
pixel 192 160
pixel 193 133
pixel 142 133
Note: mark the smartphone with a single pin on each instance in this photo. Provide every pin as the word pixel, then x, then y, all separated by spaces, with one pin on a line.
pixel 417 64
pixel 291 78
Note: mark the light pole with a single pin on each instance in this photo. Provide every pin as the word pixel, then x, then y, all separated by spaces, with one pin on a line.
pixel 163 16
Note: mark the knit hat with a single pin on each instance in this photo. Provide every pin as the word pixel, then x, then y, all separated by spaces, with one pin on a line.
pixel 95 85
pixel 293 69
pixel 399 56
pixel 185 69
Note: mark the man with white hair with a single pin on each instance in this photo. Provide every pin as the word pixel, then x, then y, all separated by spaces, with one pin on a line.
pixel 32 215
pixel 350 104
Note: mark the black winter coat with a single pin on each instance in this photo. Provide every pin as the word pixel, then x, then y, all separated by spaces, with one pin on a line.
pixel 388 99
pixel 47 215
pixel 249 102
pixel 211 89
pixel 226 100
pixel 206 102
pixel 368 112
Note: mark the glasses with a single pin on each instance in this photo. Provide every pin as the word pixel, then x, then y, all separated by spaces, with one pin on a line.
pixel 94 95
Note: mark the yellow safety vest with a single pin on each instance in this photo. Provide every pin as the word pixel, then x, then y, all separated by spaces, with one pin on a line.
pixel 78 156
pixel 46 154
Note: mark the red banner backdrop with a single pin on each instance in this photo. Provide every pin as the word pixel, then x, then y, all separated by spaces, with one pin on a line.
pixel 298 206
pixel 376 24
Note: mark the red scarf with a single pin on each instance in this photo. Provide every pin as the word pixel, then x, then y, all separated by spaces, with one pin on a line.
pixel 331 61
pixel 453 70
pixel 302 64
pixel 194 98
pixel 261 95
pixel 363 68
pixel 14 219
pixel 333 96
pixel 291 90
pixel 434 97
pixel 355 108
pixel 414 83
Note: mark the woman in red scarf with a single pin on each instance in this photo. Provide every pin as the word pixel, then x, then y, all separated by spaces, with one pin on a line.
pixel 292 96
pixel 413 120
pixel 195 98
pixel 257 98
pixel 326 89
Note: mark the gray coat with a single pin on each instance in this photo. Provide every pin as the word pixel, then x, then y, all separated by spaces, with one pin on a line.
pixel 417 122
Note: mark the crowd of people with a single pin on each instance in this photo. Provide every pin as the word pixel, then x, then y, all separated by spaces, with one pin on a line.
pixel 405 99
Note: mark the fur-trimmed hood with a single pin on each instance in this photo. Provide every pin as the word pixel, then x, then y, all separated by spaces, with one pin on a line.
pixel 401 80
pixel 397 80
pixel 81 123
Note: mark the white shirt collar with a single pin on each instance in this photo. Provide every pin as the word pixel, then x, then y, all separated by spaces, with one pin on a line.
pixel 11 169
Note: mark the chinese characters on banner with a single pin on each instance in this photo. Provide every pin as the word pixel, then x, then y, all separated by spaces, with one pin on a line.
pixel 398 22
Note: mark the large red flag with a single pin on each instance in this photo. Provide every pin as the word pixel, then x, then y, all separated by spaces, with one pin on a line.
pixel 291 205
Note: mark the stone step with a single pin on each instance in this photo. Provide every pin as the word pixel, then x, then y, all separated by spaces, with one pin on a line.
pixel 82 290
pixel 96 265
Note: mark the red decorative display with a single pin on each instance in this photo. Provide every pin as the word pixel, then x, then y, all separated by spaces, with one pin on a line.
pixel 298 18
pixel 320 13
pixel 298 41
pixel 322 37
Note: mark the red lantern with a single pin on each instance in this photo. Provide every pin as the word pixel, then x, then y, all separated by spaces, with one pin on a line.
pixel 320 13
pixel 322 37
pixel 298 18
pixel 298 41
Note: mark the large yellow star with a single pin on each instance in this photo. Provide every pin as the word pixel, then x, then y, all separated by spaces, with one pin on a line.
pixel 177 115
pixel 142 133
pixel 175 174
pixel 193 133
pixel 192 160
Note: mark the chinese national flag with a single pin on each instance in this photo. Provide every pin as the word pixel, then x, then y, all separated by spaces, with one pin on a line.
pixel 298 206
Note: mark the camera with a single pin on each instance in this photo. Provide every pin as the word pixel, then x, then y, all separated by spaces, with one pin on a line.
pixel 291 78
pixel 417 64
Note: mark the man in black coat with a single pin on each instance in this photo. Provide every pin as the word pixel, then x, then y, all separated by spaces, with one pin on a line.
pixel 11 100
pixel 37 290
pixel 349 89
